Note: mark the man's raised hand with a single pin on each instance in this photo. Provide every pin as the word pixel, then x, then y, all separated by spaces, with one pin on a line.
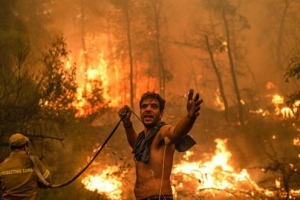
pixel 193 104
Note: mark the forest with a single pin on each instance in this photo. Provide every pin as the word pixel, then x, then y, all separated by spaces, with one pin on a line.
pixel 67 67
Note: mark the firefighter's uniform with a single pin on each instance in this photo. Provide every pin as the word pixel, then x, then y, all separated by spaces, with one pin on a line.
pixel 17 176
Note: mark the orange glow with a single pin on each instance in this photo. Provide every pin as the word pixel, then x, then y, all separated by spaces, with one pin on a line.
pixel 216 173
pixel 296 141
pixel 105 183
pixel 270 85
pixel 260 112
pixel 94 66
pixel 277 101
pixel 281 109
pixel 213 177
pixel 218 102
pixel 216 176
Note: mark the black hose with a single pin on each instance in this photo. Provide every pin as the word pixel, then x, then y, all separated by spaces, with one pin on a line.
pixel 99 150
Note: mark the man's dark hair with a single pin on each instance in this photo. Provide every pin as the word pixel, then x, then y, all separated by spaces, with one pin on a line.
pixel 153 95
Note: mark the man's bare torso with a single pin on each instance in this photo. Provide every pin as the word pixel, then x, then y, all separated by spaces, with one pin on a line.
pixel 153 178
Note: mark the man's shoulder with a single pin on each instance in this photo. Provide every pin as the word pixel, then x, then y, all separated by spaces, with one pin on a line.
pixel 166 127
pixel 164 130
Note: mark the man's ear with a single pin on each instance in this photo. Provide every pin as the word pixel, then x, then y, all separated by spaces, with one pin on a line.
pixel 26 148
pixel 161 114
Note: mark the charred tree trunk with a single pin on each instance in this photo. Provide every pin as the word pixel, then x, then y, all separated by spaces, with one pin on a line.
pixel 281 31
pixel 280 40
pixel 128 30
pixel 83 45
pixel 232 66
pixel 219 78
pixel 161 67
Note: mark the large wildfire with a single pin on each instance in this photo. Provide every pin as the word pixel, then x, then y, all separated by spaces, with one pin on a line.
pixel 212 177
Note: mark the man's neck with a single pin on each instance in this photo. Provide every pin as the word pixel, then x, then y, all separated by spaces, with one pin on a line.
pixel 149 128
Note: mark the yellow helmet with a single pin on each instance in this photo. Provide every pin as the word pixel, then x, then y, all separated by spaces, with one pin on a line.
pixel 17 140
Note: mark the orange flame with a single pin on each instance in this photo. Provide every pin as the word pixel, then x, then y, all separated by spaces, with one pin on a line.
pixel 218 102
pixel 214 177
pixel 216 173
pixel 105 183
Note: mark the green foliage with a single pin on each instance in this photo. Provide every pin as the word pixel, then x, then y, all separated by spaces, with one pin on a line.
pixel 58 86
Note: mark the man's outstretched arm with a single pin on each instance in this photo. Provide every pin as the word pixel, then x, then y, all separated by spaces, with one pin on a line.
pixel 186 123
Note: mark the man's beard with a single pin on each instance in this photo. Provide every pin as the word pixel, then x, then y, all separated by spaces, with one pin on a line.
pixel 153 124
pixel 149 126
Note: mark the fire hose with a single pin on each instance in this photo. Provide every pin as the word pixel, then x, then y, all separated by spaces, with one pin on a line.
pixel 81 171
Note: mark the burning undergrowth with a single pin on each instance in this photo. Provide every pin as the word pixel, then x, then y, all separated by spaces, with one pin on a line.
pixel 233 166
pixel 256 161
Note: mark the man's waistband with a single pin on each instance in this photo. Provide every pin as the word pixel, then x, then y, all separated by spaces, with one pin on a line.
pixel 159 197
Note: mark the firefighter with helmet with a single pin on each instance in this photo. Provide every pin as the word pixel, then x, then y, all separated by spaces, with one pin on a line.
pixel 18 176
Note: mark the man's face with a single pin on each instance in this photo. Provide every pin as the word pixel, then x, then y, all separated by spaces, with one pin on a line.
pixel 150 112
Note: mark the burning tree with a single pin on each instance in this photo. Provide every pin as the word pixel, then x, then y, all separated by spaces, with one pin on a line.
pixel 40 99
pixel 58 86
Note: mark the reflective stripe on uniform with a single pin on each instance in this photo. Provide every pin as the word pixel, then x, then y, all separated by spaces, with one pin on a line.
pixel 46 174
pixel 16 171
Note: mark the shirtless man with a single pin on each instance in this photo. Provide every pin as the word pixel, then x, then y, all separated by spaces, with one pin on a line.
pixel 155 146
